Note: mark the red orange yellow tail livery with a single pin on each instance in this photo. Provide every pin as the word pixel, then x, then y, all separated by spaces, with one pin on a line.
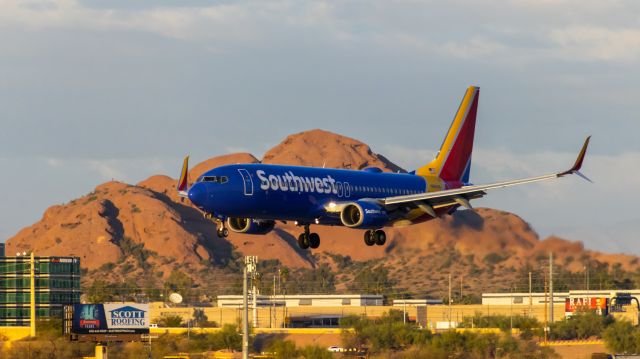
pixel 453 161
pixel 184 176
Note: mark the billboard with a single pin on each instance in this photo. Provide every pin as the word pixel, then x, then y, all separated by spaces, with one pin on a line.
pixel 599 304
pixel 110 318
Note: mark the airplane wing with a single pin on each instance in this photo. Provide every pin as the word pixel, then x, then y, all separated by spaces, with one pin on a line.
pixel 429 201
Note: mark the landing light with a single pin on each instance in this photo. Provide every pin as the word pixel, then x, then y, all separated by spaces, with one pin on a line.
pixel 332 205
pixel 317 221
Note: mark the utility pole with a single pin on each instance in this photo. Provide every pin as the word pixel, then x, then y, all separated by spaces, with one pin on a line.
pixel 254 291
pixel 587 275
pixel 551 286
pixel 245 315
pixel 449 326
pixel 32 301
pixel 404 309
pixel 511 311
pixel 530 298
pixel 546 317
pixel 249 268
pixel 273 302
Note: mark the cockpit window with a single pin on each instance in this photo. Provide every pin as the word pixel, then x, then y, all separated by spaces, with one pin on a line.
pixel 214 179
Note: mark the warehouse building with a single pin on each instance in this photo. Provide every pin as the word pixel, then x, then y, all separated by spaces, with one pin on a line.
pixel 57 283
pixel 305 300
pixel 558 297
pixel 522 298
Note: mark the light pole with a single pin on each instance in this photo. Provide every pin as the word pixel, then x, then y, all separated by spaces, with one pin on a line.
pixel 551 286
pixel 249 268
pixel 530 299
pixel 449 326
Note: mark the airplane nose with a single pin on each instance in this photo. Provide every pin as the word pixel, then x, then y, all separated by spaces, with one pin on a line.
pixel 198 194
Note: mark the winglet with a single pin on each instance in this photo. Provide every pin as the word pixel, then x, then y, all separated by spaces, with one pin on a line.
pixel 578 164
pixel 184 176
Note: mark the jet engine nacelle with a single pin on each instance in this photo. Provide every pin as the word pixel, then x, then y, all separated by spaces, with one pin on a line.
pixel 250 226
pixel 362 214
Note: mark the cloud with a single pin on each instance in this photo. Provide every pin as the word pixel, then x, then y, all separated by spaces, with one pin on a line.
pixel 129 170
pixel 597 43
pixel 406 157
pixel 506 32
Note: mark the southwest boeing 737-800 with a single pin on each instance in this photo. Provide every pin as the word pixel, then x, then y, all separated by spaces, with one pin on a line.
pixel 250 198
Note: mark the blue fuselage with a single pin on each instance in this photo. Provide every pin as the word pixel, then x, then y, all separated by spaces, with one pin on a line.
pixel 275 192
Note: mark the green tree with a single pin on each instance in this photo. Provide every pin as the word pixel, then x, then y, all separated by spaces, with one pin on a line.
pixel 230 338
pixel 100 291
pixel 317 280
pixel 372 280
pixel 581 325
pixel 387 332
pixel 315 352
pixel 199 318
pixel 527 325
pixel 171 321
pixel 622 337
pixel 283 349
pixel 179 282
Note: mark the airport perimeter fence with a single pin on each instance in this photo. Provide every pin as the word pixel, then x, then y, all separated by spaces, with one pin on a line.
pixel 464 289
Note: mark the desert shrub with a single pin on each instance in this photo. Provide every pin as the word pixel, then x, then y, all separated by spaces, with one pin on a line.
pixel 524 323
pixel 622 337
pixel 494 258
pixel 374 280
pixel 581 325
pixel 387 332
pixel 283 349
pixel 107 266
pixel 286 349
pixel 170 321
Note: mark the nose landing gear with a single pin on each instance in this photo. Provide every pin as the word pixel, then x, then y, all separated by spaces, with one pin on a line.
pixel 222 230
pixel 308 240
pixel 372 237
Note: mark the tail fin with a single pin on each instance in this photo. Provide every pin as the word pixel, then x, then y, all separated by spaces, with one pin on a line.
pixel 184 175
pixel 453 161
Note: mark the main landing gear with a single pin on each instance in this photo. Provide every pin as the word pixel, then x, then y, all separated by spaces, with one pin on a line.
pixel 372 237
pixel 308 240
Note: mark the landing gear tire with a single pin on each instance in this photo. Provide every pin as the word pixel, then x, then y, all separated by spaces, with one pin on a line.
pixel 380 237
pixel 223 233
pixel 314 240
pixel 369 239
pixel 303 241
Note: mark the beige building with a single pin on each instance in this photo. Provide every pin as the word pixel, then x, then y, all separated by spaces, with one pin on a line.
pixel 305 300
pixel 558 297
pixel 522 298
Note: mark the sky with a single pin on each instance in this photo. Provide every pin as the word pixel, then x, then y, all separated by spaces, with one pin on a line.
pixel 92 91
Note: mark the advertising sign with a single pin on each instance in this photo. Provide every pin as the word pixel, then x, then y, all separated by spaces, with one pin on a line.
pixel 110 318
pixel 571 305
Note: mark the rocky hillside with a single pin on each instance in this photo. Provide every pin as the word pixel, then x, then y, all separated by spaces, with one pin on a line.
pixel 145 229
